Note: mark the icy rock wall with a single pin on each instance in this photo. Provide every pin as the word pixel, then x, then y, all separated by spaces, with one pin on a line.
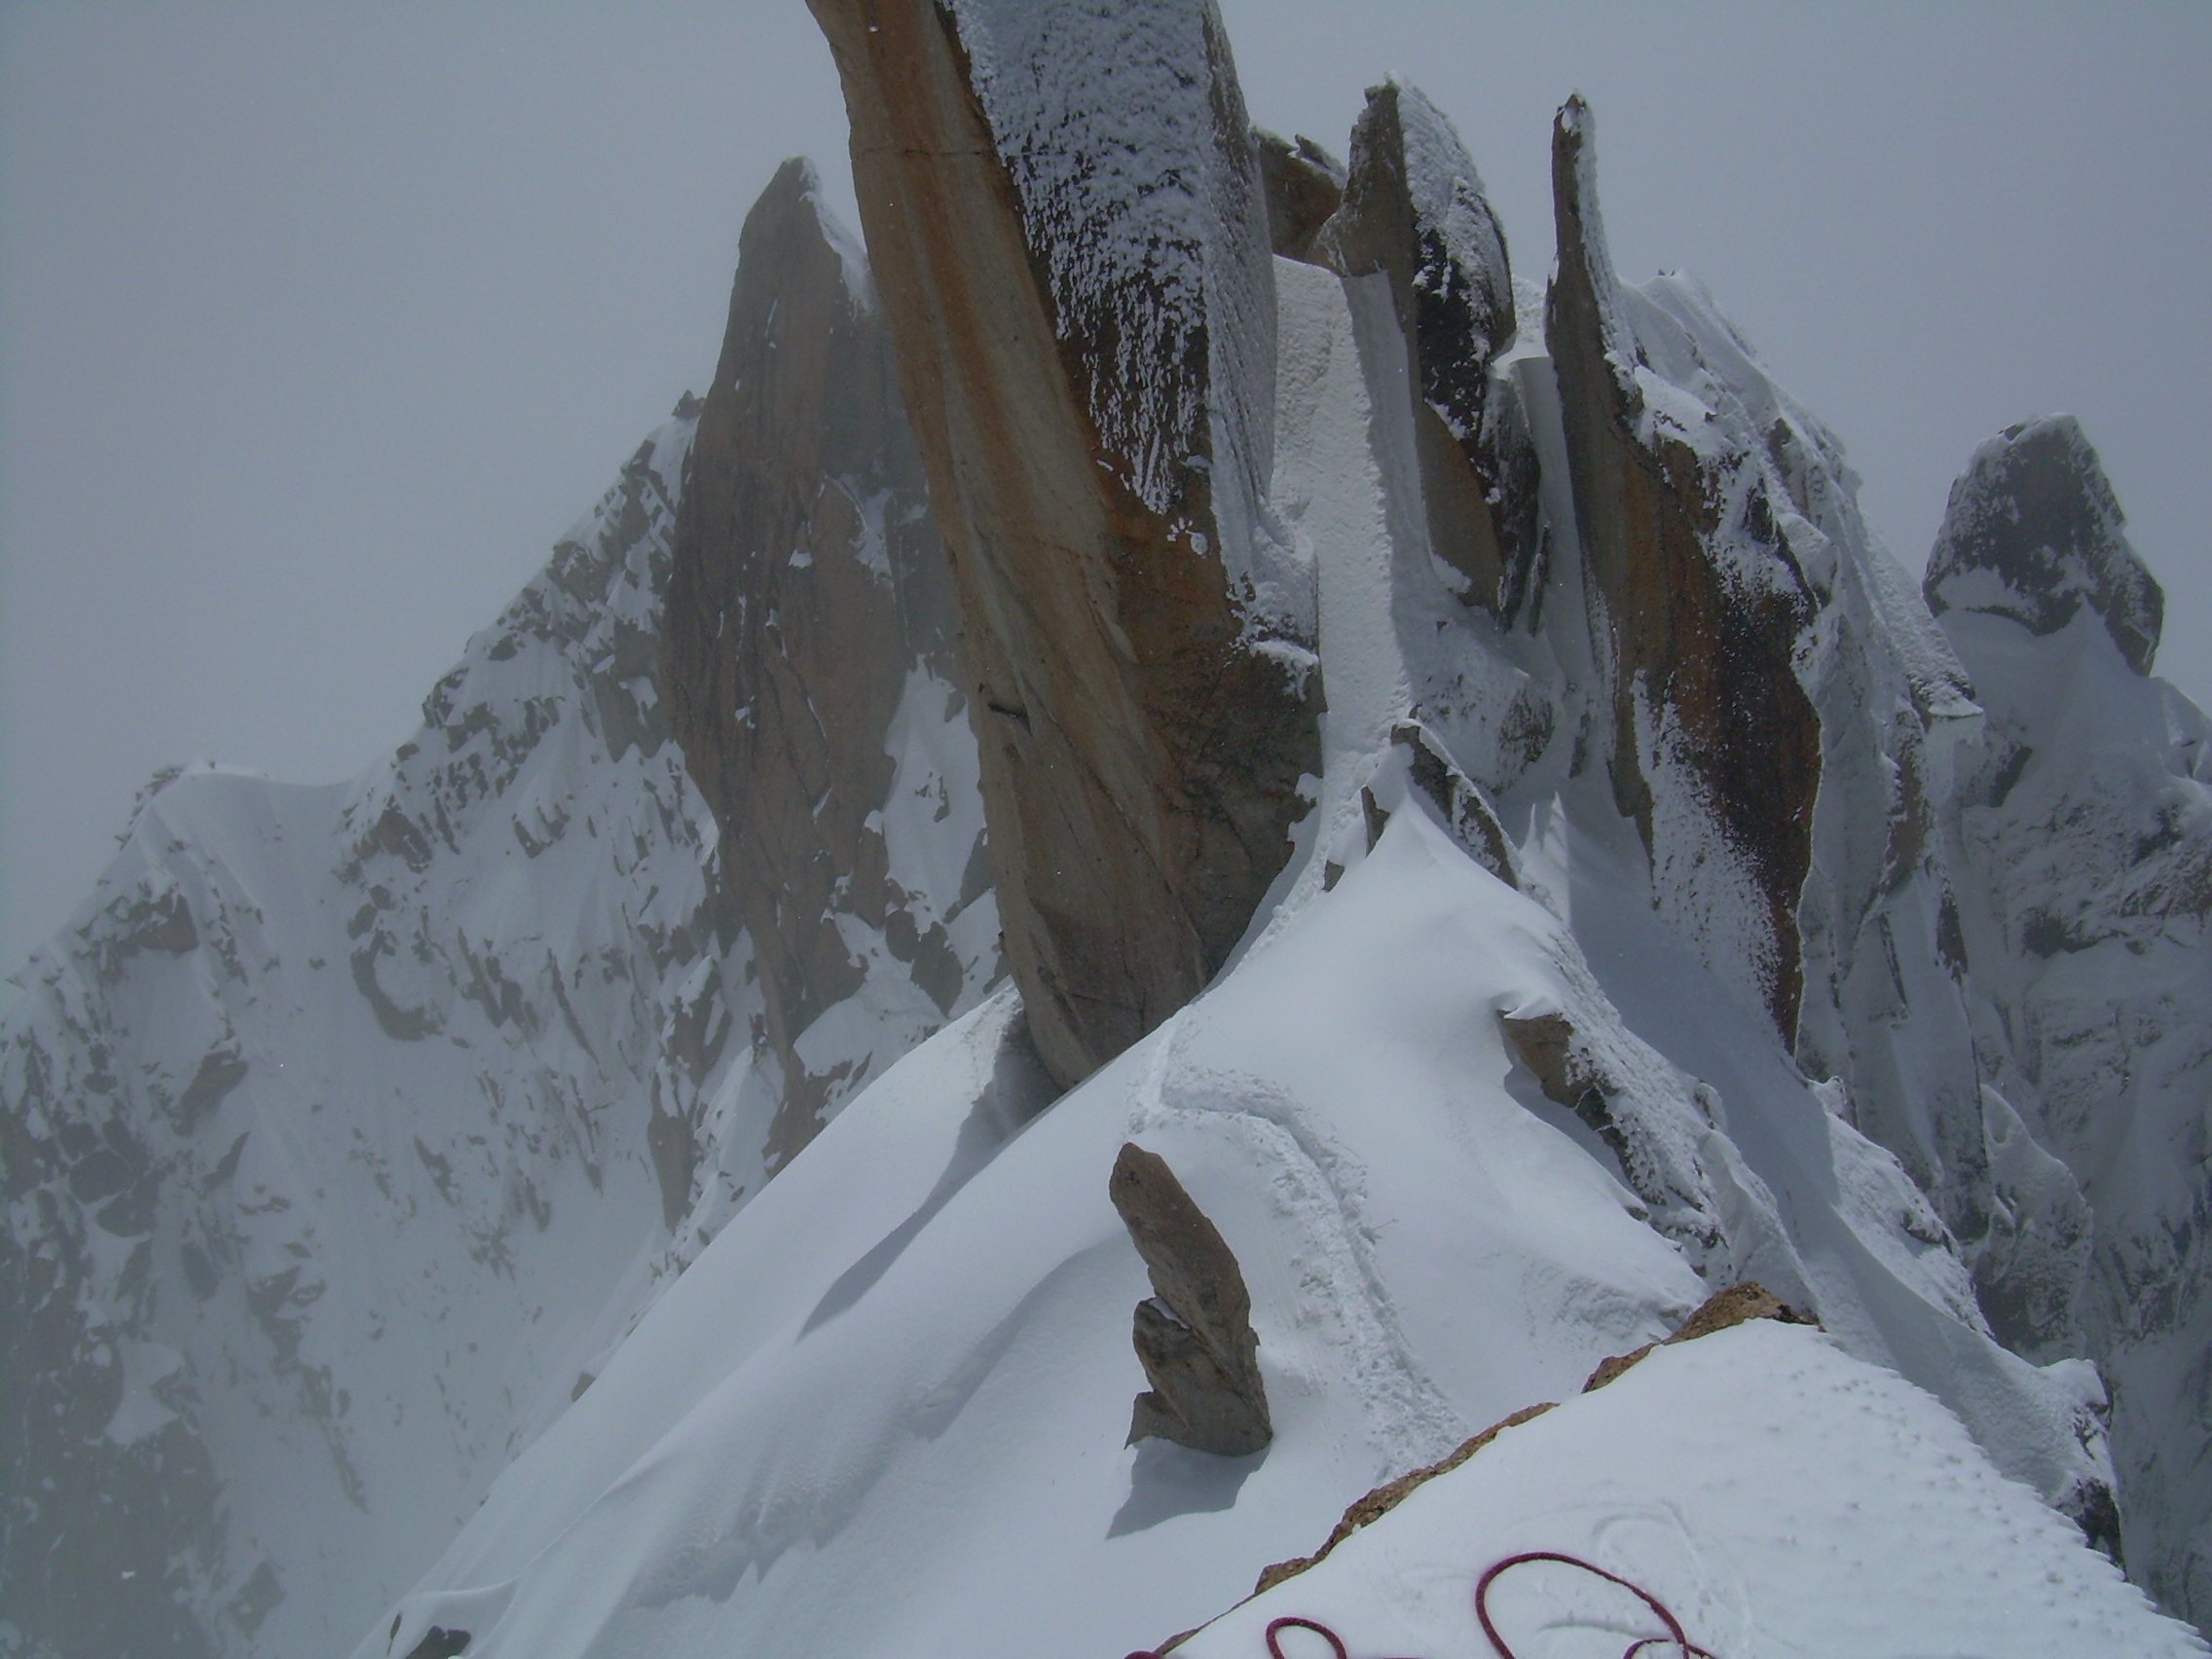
pixel 1071 245
pixel 810 611
pixel 1783 713
pixel 2083 823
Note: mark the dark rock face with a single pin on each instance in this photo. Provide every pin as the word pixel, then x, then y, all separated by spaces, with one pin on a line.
pixel 1704 687
pixel 809 584
pixel 1194 1335
pixel 2034 532
pixel 1305 185
pixel 1461 804
pixel 1075 353
pixel 1414 210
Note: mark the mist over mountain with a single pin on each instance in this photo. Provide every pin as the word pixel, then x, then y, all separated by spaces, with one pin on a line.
pixel 1213 908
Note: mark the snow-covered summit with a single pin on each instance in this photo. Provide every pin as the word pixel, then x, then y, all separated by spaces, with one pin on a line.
pixel 2034 532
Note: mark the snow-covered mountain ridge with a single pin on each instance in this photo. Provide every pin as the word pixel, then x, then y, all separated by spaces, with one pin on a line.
pixel 348 1130
pixel 1466 791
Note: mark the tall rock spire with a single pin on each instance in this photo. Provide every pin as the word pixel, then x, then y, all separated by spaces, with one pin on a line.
pixel 808 599
pixel 1087 351
pixel 1717 748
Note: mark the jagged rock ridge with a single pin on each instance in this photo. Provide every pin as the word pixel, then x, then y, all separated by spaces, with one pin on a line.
pixel 808 660
pixel 1545 987
pixel 347 1130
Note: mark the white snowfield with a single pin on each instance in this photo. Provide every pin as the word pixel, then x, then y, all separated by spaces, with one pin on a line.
pixel 883 1413
pixel 1777 1497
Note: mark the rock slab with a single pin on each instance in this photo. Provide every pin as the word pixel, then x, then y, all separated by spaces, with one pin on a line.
pixel 1193 1335
pixel 1085 353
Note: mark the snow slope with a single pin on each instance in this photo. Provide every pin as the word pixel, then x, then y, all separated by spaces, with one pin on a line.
pixel 883 1411
pixel 1759 1483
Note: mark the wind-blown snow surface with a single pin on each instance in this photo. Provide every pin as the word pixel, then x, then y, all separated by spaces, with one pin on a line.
pixel 1776 1495
pixel 883 1411
pixel 347 1128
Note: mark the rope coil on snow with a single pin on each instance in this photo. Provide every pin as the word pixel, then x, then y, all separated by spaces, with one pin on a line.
pixel 1676 1637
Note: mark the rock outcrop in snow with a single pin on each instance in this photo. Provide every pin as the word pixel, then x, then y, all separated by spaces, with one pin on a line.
pixel 1193 1333
pixel 2034 532
pixel 1087 353
pixel 2083 823
pixel 807 658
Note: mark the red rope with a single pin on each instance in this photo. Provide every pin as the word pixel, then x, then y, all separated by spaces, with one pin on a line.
pixel 1674 1632
pixel 1675 1636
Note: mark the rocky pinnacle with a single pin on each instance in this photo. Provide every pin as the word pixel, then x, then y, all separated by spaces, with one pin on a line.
pixel 1143 716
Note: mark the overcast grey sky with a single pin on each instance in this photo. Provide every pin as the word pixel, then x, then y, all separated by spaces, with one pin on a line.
pixel 318 323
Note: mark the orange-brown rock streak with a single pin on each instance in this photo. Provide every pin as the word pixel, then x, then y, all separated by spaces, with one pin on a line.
pixel 1708 657
pixel 807 578
pixel 1139 760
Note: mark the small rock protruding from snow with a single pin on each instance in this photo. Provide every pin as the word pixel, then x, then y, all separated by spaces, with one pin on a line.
pixel 1195 1333
pixel 1723 1309
pixel 2033 532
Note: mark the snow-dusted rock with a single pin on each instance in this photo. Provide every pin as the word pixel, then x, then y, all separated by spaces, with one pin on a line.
pixel 1304 186
pixel 1414 210
pixel 1071 241
pixel 809 620
pixel 1782 714
pixel 2034 532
